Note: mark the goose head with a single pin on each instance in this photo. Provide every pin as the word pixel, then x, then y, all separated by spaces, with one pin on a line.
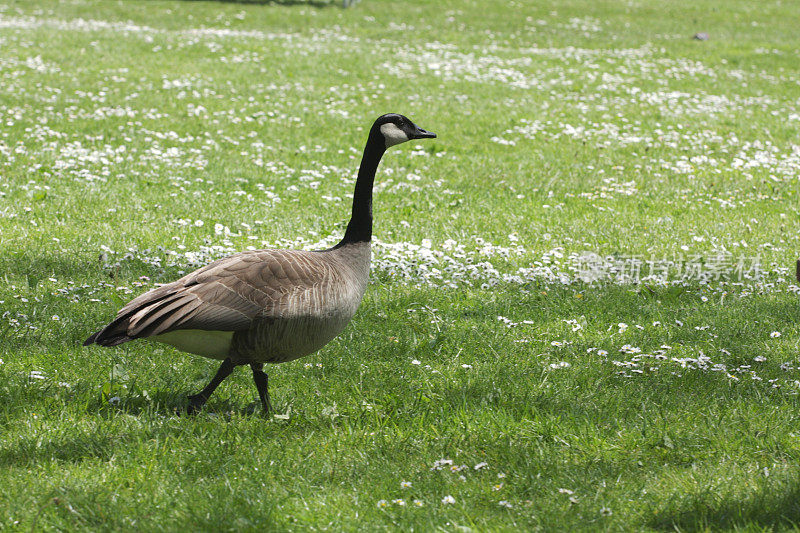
pixel 395 129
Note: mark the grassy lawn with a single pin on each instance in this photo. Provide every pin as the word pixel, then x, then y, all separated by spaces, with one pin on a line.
pixel 582 313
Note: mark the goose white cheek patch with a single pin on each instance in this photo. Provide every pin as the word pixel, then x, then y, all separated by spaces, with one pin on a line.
pixel 393 134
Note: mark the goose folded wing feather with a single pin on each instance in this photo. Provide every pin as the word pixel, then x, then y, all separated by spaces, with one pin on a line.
pixel 229 294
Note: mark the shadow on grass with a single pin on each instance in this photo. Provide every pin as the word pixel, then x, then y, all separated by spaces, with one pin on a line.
pixel 73 448
pixel 772 509
pixel 175 403
pixel 103 440
pixel 311 3
pixel 37 265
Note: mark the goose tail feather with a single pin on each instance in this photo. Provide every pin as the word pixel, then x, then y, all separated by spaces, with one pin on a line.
pixel 112 335
pixel 92 338
pixel 108 340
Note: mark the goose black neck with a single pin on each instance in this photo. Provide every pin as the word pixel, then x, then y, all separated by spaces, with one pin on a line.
pixel 360 227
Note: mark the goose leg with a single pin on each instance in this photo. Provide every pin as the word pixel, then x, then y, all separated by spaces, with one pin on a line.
pixel 260 377
pixel 197 401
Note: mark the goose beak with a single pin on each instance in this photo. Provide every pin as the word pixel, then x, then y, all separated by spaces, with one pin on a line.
pixel 423 134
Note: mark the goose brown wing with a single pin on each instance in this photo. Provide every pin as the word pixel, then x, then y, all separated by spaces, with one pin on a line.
pixel 226 295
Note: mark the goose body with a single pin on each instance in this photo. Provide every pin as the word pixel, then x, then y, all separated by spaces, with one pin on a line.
pixel 270 306
pixel 266 306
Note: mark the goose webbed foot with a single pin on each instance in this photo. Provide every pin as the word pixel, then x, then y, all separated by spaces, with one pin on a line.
pixel 197 401
pixel 261 380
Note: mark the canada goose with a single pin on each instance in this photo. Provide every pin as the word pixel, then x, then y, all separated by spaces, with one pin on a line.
pixel 266 306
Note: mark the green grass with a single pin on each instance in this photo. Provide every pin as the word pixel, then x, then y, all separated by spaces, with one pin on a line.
pixel 133 135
